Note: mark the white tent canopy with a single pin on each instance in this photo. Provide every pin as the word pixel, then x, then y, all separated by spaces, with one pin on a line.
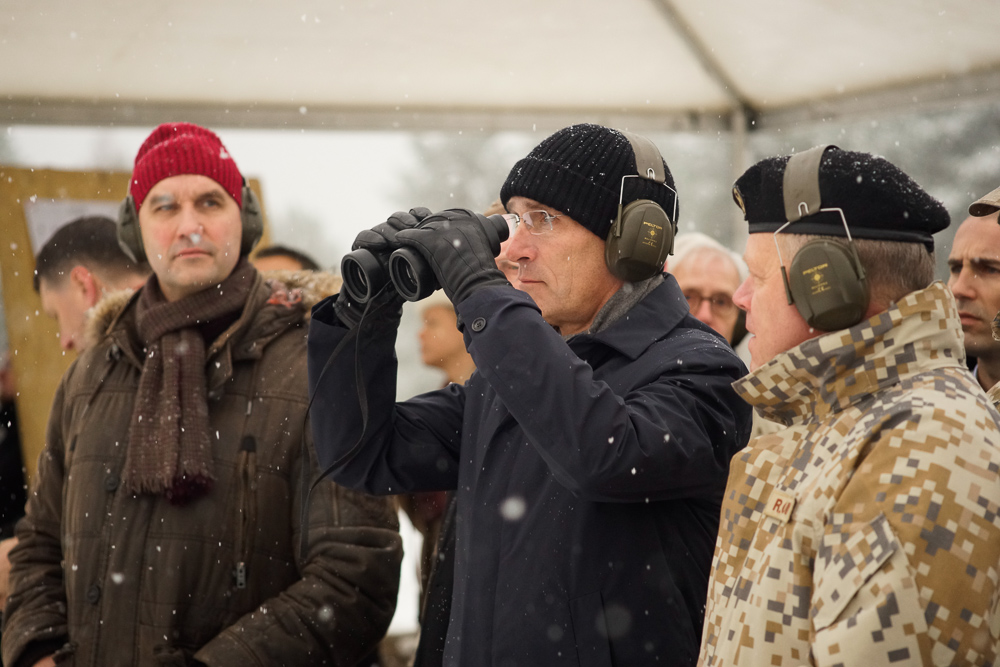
pixel 415 64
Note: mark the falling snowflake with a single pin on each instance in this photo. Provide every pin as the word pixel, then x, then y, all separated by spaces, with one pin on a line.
pixel 513 508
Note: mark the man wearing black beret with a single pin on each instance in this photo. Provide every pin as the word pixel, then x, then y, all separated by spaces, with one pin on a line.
pixel 866 532
pixel 589 451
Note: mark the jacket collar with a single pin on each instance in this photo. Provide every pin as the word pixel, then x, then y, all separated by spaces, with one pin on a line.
pixel 650 320
pixel 832 372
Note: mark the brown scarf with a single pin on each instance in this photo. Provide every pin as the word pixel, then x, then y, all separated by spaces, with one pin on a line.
pixel 169 447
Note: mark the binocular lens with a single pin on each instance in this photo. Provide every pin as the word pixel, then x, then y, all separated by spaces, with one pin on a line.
pixel 410 274
pixel 363 275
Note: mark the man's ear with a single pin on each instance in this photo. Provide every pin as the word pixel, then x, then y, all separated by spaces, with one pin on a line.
pixel 82 279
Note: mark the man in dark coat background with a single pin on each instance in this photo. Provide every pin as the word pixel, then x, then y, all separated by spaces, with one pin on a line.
pixel 590 450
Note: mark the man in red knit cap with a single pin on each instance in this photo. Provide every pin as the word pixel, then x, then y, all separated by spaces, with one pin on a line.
pixel 165 521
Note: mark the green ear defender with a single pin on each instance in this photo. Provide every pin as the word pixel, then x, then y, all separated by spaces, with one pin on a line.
pixel 252 218
pixel 642 234
pixel 130 239
pixel 825 280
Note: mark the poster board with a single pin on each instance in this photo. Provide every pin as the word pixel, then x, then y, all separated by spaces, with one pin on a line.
pixel 33 204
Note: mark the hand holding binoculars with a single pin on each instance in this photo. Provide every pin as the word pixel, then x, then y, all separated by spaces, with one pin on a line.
pixel 365 272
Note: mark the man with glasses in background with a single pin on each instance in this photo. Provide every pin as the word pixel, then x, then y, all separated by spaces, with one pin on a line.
pixel 709 275
pixel 588 452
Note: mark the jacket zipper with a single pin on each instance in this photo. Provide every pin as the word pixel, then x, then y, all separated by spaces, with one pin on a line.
pixel 247 507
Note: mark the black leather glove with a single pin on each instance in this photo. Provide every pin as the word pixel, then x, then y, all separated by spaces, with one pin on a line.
pixel 385 310
pixel 380 240
pixel 458 250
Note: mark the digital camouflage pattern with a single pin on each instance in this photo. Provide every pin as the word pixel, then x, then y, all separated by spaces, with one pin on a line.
pixel 994 392
pixel 867 531
pixel 994 395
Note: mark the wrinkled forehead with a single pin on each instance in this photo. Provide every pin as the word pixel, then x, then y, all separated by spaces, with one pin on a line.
pixel 184 186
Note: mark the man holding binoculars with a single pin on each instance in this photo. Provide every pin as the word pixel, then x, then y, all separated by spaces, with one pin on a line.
pixel 590 450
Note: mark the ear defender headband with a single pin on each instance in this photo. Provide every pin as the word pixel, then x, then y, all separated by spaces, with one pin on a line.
pixel 825 280
pixel 130 238
pixel 642 234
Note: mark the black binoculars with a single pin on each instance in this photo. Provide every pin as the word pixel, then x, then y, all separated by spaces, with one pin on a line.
pixel 364 274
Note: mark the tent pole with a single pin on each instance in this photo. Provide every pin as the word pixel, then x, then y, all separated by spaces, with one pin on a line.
pixel 741 112
pixel 738 127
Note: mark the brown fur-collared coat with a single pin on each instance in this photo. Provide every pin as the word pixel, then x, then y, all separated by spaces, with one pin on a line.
pixel 104 577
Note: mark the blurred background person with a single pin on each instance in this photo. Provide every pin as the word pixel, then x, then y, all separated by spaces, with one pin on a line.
pixel 12 490
pixel 76 267
pixel 709 274
pixel 443 347
pixel 283 258
pixel 974 279
pixel 441 343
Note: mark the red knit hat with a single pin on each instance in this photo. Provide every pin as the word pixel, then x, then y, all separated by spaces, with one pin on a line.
pixel 182 148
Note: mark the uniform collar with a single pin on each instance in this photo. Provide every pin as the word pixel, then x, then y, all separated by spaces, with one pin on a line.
pixel 831 372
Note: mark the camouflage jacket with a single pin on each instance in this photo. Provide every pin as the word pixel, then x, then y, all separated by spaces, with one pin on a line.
pixel 867 531
pixel 994 392
pixel 994 395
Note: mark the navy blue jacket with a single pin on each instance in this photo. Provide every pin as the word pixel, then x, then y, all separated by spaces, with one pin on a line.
pixel 589 473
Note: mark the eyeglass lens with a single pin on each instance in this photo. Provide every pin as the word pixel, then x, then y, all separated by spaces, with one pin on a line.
pixel 721 304
pixel 537 222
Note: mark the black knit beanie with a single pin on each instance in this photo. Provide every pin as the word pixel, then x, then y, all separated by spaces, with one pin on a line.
pixel 578 171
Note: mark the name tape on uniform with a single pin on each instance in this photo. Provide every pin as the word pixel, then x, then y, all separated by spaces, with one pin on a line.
pixel 779 506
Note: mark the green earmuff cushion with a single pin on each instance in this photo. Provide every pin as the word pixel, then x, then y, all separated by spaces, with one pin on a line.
pixel 129 238
pixel 639 241
pixel 827 285
pixel 253 221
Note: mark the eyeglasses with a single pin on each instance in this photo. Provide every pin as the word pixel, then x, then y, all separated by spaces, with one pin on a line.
pixel 721 304
pixel 537 222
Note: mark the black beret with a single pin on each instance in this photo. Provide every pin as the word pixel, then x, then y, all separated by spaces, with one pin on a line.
pixel 879 201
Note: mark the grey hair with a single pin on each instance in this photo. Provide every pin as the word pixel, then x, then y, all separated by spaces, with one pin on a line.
pixel 690 244
pixel 893 268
